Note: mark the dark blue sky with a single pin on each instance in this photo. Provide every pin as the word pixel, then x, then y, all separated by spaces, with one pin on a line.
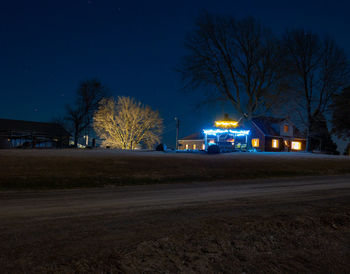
pixel 48 47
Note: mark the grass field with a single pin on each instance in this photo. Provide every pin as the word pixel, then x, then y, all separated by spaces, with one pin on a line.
pixel 125 230
pixel 26 169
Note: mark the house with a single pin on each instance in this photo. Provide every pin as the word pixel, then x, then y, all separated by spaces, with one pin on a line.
pixel 275 134
pixel 17 133
pixel 194 141
pixel 261 134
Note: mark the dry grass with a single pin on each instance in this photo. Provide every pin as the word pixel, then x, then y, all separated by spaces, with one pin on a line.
pixel 93 168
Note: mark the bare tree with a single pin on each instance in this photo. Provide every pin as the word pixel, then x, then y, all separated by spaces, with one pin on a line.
pixel 79 115
pixel 318 69
pixel 127 123
pixel 237 60
pixel 75 117
pixel 60 120
pixel 341 114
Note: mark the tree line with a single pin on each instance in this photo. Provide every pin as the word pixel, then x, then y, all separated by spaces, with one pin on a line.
pixel 298 74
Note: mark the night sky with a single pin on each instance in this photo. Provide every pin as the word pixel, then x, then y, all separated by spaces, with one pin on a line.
pixel 47 47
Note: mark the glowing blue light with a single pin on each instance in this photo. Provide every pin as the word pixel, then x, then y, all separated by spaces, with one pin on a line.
pixel 214 131
pixel 240 132
pixel 222 131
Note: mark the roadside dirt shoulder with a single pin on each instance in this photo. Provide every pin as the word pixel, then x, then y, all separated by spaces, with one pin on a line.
pixel 309 232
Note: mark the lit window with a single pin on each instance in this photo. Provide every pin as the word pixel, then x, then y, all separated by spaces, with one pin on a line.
pixel 194 146
pixel 255 142
pixel 211 142
pixel 186 146
pixel 203 146
pixel 286 143
pixel 296 145
pixel 274 143
pixel 285 128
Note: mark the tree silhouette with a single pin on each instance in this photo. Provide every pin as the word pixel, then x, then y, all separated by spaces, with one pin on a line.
pixel 318 69
pixel 341 115
pixel 80 114
pixel 237 60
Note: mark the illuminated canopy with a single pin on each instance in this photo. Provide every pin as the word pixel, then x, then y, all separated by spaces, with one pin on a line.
pixel 228 131
pixel 226 124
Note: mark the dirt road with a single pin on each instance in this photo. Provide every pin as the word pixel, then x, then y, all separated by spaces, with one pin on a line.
pixel 269 226
pixel 120 199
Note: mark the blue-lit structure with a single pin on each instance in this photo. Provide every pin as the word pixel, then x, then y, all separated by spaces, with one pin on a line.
pixel 226 136
pixel 258 134
pixel 216 132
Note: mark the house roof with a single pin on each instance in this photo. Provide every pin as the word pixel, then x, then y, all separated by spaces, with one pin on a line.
pixel 194 136
pixel 268 125
pixel 9 126
pixel 271 126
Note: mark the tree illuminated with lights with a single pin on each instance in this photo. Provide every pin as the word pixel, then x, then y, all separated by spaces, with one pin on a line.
pixel 126 123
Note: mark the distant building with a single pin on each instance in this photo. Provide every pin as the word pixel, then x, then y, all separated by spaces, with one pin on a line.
pixel 194 141
pixel 28 134
pixel 262 134
pixel 276 134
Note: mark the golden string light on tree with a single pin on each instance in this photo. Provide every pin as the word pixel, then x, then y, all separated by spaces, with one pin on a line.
pixel 127 124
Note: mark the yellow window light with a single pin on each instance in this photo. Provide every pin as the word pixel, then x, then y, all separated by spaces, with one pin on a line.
pixel 194 146
pixel 274 143
pixel 296 145
pixel 186 146
pixel 203 146
pixel 255 142
pixel 226 124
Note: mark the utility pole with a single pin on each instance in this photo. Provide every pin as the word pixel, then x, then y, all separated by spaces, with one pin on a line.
pixel 177 132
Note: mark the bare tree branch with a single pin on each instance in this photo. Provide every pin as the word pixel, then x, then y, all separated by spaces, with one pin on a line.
pixel 239 58
pixel 318 71
pixel 79 115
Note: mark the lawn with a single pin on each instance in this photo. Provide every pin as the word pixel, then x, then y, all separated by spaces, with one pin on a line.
pixel 35 169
